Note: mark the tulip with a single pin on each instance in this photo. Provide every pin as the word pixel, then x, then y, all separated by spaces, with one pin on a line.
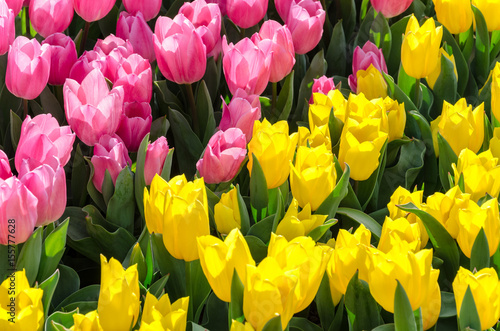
pixel 488 8
pixel 391 8
pixel 164 315
pixel 456 16
pixel 50 16
pixel 148 8
pixel 396 115
pixel 89 61
pixel 237 326
pixel 92 110
pixel 136 78
pixel 87 322
pixel 283 8
pixel 319 111
pixel 297 224
pixel 110 154
pixel 246 66
pixel 112 42
pixel 431 308
pixel 219 260
pixel 119 295
pixel 28 310
pixel 275 38
pixel 460 126
pixel 371 83
pixel 272 145
pixel 227 212
pixel 241 113
pixel 180 210
pixel 362 58
pixel 394 231
pixel 305 21
pixel 28 68
pixel 63 57
pixel 495 91
pixel 15 5
pixel 156 153
pixel 361 108
pixel 91 10
pixel 421 42
pixel 495 143
pixel 322 85
pixel 7 27
pixel 18 211
pixel 246 13
pixel 319 136
pixel 5 171
pixel 485 289
pixel 135 123
pixel 135 29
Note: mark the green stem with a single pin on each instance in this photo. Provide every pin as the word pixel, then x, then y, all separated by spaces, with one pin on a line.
pixel 417 92
pixel 275 96
pixel 27 22
pixel 242 33
pixel 192 108
pixel 189 290
pixel 25 107
pixel 84 37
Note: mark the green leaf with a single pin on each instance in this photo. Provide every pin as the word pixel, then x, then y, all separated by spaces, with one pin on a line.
pixel 205 112
pixel 336 54
pixel 69 282
pixel 159 128
pixel 258 186
pixel 448 305
pixel 480 254
pixel 469 317
pixel 93 192
pixel 319 231
pixel 197 286
pixel 107 188
pixel 301 323
pixel 262 229
pixel 236 304
pixel 348 14
pixel 78 238
pixel 212 76
pixel 460 61
pixel 363 309
pixel 385 327
pixel 51 105
pixel 362 218
pixel 167 165
pixel 121 206
pixel 330 205
pixel 60 318
pixel 79 178
pixel 403 314
pixel 397 31
pixel 165 97
pixel 158 287
pixel 139 181
pixel 52 251
pixel 48 286
pixel 244 216
pixel 380 34
pixel 324 303
pixel 446 158
pixel 445 87
pixel 481 62
pixel 339 315
pixel 368 189
pixel 274 324
pixel 285 99
pixel 137 257
pixel 215 309
pixel 15 128
pixel 257 247
pixel 31 253
pixel 365 27
pixel 88 293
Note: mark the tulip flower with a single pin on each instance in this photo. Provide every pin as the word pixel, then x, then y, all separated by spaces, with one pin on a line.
pixel 5 171
pixel 135 123
pixel 92 110
pixel 485 289
pixel 283 8
pixel 163 315
pixel 156 153
pixel 420 42
pixel 495 91
pixel 456 16
pixel 246 13
pixel 431 308
pixel 460 126
pixel 135 29
pixel 18 211
pixel 112 42
pixel 297 224
pixel 89 61
pixel 322 85
pixel 41 140
pixel 371 83
pixel 136 78
pixel 119 296
pixel 246 66
pixel 305 21
pixel 396 115
pixel 237 326
pixel 28 307
pixel 362 58
pixel 50 16
pixel 220 259
pixel 361 108
pixel 319 136
pixel 227 212
pixel 272 145
pixel 28 68
pixel 319 111
pixel 391 8
pixel 394 231
pixel 15 5
pixel 179 50
pixel 148 8
pixel 63 57
pixel 7 27
pixel 91 10
pixel 179 210
pixel 488 8
pixel 223 156
pixel 241 113
pixel 87 322
pixel 495 143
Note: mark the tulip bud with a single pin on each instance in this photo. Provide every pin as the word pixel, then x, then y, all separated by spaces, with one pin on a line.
pixel 456 16
pixel 5 171
pixel 371 83
pixel 319 111
pixel 362 58
pixel 87 322
pixel 322 85
pixel 391 8
pixel 395 231
pixel 296 224
pixel 396 115
pixel 305 21
pixel 138 33
pixel 15 5
pixel 91 10
pixel 7 27
pixel 135 123
pixel 227 212
pixel 149 8
pixel 112 42
pixel 246 13
pixel 89 61
pixel 489 9
pixel 50 16
pixel 136 78
pixel 156 154
pixel 320 135
pixel 241 113
pixel 163 315
pixel 63 57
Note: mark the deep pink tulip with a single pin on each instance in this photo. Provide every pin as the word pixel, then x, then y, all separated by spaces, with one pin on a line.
pixel 305 21
pixel 5 171
pixel 206 18
pixel 28 68
pixel 135 123
pixel 89 61
pixel 7 27
pixel 48 185
pixel 93 10
pixel 17 207
pixel 135 29
pixel 361 60
pixel 50 16
pixel 92 110
pixel 241 113
pixel 136 78
pixel 15 5
pixel 148 8
pixel 221 4
pixel 109 154
pixel 156 154
pixel 223 156
pixel 277 40
pixel 63 57
pixel 322 85
pixel 112 42
pixel 179 50
pixel 41 140
pixel 283 7
pixel 246 13
pixel 246 66
pixel 391 8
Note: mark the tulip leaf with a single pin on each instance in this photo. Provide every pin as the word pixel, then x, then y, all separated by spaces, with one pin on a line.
pixel 242 208
pixel 348 15
pixel 380 34
pixel 78 237
pixel 481 63
pixel 165 98
pixel 368 189
pixel 212 76
pixel 302 324
pixel 216 308
pixel 364 29
pixel 397 32
pixel 469 316
pixel 445 87
pixel 480 254
pixel 362 218
pixel 139 181
pixel 285 99
pixel 324 303
pixel 336 53
pixel 330 205
pixel 448 305
pixel 427 100
pixel 403 314
pixel 236 304
pixel 205 112
pixel 8 101
pixel 93 192
pixel 197 287
pixel 69 283
pixel 385 327
pixel 137 257
pixel 159 128
pixel 339 315
pixel 15 128
pixel 48 286
pixel 51 105
pixel 30 255
pixel 108 188
pixel 79 177
pixel 121 206
pixel 84 306
pixel 59 319
pixel 87 294
pixel 446 158
pixel 274 324
pixel 257 247
pixel 460 61
pixel 263 229
pixel 52 250
pixel 407 84
pixel 158 288
pixel 318 232
pixel 258 188
pixel 396 93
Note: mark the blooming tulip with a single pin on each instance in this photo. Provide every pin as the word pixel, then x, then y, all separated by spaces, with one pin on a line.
pixel 28 68
pixel 50 16
pixel 393 231
pixel 136 78
pixel 320 135
pixel 227 212
pixel 362 58
pixel 360 109
pixel 495 143
pixel 283 8
pixel 246 13
pixel 322 85
pixel 91 10
pixel 89 61
pixel 391 8
pixel 495 91
pixel 488 8
pixel 63 57
pixel 5 171
pixel 396 115
pixel 156 153
pixel 164 315
pixel 371 83
pixel 135 29
pixel 296 224
pixel 456 16
pixel 92 110
pixel 87 322
pixel 241 113
pixel 135 123
pixel 149 8
pixel 7 27
pixel 15 5
pixel 112 42
pixel 319 111
pixel 237 326
pixel 305 21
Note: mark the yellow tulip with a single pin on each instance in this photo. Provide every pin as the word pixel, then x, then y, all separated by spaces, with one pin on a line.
pixel 360 109
pixel 485 289
pixel 119 297
pixel 371 83
pixel 320 135
pixel 495 143
pixel 220 259
pixel 162 315
pixel 87 322
pixel 296 224
pixel 434 75
pixel 455 15
pixel 431 308
pixel 459 126
pixel 396 115
pixel 272 145
pixel 227 212
pixel 396 230
pixel 319 111
pixel 495 91
pixel 422 43
pixel 21 306
pixel 237 326
pixel 489 9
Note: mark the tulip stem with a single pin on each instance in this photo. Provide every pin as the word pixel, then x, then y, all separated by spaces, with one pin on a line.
pixel 275 96
pixel 189 290
pixel 242 33
pixel 25 107
pixel 417 92
pixel 27 22
pixel 192 108
pixel 84 37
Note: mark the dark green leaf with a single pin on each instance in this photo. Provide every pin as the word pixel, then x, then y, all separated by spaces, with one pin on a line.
pixel 301 323
pixel 285 99
pixel 258 186
pixel 52 251
pixel 205 113
pixel 257 247
pixel 79 178
pixel 480 254
pixel 236 304
pixel 59 318
pixel 89 293
pixel 31 253
pixel 331 203
pixel 446 158
pixel 139 181
pixel 15 128
pixel 336 54
pixel 362 218
pixel 448 305
pixel 121 206
pixel 403 314
pixel 274 324
pixel 469 317
pixel 481 62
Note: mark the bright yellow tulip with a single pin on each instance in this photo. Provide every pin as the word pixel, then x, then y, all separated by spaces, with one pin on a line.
pixel 320 135
pixel 162 315
pixel 227 212
pixel 495 143
pixel 434 75
pixel 455 15
pixel 296 224
pixel 495 91
pixel 371 83
pixel 489 9
pixel 87 322
pixel 396 115
pixel 319 111
pixel 431 308
pixel 396 230
pixel 237 326
pixel 361 108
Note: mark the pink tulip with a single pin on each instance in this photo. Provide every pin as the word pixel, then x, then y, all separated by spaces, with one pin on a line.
pixel 5 171
pixel 48 185
pixel 15 5
pixel 93 10
pixel 63 57
pixel 92 110
pixel 109 154
pixel 322 85
pixel 179 50
pixel 221 4
pixel 283 7
pixel 148 8
pixel 28 68
pixel 7 27
pixel 43 141
pixel 137 32
pixel 223 156
pixel 246 13
pixel 17 211
pixel 51 16
pixel 241 113
pixel 136 78
pixel 206 18
pixel 156 154
pixel 112 42
pixel 89 61
pixel 135 123
pixel 361 60
pixel 276 39
pixel 305 21
pixel 391 8
pixel 246 66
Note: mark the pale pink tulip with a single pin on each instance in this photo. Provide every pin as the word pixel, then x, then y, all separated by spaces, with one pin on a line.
pixel 63 57
pixel 156 154
pixel 241 113
pixel 305 21
pixel 148 8
pixel 7 27
pixel 246 13
pixel 93 10
pixel 109 154
pixel 135 29
pixel 50 16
